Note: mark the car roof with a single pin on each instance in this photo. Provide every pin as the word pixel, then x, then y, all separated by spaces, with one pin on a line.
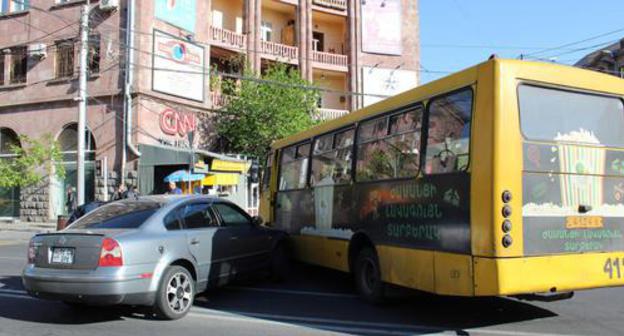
pixel 167 199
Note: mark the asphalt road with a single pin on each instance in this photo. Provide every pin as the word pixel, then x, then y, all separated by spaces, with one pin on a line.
pixel 313 301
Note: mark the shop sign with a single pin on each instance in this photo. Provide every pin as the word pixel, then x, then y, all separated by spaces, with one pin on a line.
pixel 173 122
pixel 234 166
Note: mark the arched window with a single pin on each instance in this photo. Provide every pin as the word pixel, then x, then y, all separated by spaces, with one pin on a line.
pixel 9 197
pixel 68 140
pixel 8 139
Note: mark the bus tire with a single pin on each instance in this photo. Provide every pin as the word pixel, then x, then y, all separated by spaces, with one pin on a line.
pixel 368 276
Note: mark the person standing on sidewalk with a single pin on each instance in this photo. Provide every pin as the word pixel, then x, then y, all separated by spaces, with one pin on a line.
pixel 70 200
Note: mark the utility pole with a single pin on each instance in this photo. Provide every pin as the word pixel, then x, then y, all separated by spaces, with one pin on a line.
pixel 82 104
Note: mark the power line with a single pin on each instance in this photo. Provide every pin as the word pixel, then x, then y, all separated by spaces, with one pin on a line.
pixel 574 43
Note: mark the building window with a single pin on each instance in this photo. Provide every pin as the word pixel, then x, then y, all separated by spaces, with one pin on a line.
pixel 19 65
pixel 65 59
pixel 1 68
pixel 94 54
pixel 318 41
pixel 13 6
pixel 266 31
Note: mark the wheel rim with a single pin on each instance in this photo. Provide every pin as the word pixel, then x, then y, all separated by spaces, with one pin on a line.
pixel 369 275
pixel 179 292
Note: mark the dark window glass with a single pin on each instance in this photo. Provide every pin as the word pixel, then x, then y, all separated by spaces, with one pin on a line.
pixel 331 163
pixel 394 155
pixel 448 143
pixel 122 215
pixel 19 65
pixel 1 69
pixel 197 216
pixel 94 54
pixel 231 216
pixel 294 167
pixel 266 175
pixel 172 220
pixel 64 59
pixel 558 115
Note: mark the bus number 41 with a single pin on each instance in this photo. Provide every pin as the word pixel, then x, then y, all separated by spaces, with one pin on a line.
pixel 611 266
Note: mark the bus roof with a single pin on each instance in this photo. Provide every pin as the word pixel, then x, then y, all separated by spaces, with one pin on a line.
pixel 541 71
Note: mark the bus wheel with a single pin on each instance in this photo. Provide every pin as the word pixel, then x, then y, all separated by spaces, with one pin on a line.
pixel 368 276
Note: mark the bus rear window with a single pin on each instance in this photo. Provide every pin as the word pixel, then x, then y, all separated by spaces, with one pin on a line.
pixel 558 115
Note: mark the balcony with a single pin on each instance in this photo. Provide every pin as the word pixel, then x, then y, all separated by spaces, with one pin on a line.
pixel 279 52
pixel 228 39
pixel 330 61
pixel 333 4
pixel 328 114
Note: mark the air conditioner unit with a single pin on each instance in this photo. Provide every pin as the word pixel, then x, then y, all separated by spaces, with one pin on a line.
pixel 109 5
pixel 38 50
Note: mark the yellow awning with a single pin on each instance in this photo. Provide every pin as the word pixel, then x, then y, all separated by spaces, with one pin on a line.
pixel 233 166
pixel 220 179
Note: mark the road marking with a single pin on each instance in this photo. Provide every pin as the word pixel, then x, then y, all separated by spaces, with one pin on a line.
pixel 288 291
pixel 13 258
pixel 10 242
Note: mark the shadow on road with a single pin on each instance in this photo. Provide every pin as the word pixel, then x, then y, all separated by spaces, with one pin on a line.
pixel 318 294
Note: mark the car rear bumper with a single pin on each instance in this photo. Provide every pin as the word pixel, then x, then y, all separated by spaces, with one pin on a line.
pixel 105 288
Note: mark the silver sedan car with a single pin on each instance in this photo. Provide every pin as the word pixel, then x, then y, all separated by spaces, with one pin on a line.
pixel 154 250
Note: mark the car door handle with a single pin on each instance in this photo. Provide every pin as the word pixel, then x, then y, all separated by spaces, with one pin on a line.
pixel 194 241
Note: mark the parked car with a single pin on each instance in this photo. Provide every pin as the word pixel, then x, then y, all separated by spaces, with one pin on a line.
pixel 154 250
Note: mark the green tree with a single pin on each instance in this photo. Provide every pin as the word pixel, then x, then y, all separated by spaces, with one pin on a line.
pixel 30 162
pixel 264 109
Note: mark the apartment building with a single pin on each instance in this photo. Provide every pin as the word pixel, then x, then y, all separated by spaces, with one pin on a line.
pixel 609 59
pixel 149 82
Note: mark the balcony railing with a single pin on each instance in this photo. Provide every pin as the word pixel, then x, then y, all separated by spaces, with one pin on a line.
pixel 329 58
pixel 278 49
pixel 228 38
pixel 327 114
pixel 218 100
pixel 337 4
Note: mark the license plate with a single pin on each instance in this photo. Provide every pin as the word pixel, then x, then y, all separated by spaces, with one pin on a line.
pixel 62 256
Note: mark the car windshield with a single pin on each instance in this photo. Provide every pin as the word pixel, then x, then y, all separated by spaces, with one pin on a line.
pixel 121 215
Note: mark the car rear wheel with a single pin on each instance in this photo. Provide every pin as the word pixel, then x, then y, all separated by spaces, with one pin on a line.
pixel 175 294
pixel 368 276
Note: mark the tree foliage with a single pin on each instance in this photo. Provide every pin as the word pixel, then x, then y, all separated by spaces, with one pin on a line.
pixel 30 162
pixel 278 104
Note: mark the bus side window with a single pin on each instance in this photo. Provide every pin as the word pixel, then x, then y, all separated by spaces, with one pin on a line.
pixel 390 152
pixel 294 167
pixel 266 174
pixel 331 159
pixel 448 141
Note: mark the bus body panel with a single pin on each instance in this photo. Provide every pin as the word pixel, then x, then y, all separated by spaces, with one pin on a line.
pixel 497 154
pixel 560 273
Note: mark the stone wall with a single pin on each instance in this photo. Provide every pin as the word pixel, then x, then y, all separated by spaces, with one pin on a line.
pixel 35 202
pixel 113 182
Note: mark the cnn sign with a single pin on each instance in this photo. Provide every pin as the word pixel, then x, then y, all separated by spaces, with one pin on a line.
pixel 173 122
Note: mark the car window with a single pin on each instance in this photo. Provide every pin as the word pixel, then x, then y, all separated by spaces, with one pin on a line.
pixel 121 215
pixel 172 220
pixel 197 216
pixel 231 216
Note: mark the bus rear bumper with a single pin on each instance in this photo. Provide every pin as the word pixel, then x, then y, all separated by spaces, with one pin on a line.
pixel 554 273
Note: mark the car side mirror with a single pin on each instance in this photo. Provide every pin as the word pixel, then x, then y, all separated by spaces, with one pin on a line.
pixel 257 221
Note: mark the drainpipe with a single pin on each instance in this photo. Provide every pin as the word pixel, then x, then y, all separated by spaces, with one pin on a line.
pixel 128 90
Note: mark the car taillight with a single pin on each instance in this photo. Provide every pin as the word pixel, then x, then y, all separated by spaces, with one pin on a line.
pixel 32 252
pixel 111 253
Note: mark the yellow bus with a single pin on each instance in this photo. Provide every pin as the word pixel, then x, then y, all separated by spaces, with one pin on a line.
pixel 506 178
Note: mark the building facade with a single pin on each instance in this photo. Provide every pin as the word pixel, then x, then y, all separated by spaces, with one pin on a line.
pixel 609 60
pixel 153 74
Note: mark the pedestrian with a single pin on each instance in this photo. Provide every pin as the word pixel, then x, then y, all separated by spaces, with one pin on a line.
pixel 173 189
pixel 70 200
pixel 132 193
pixel 121 192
